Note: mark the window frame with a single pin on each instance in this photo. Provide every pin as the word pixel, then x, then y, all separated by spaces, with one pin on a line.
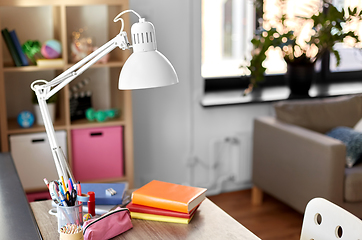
pixel 323 76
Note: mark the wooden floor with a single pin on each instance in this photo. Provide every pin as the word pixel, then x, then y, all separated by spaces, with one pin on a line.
pixel 272 220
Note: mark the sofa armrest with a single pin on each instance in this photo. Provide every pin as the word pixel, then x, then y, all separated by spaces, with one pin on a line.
pixel 295 164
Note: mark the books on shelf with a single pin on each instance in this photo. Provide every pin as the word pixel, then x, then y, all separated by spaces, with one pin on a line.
pixel 15 40
pixel 166 202
pixel 56 62
pixel 169 196
pixel 100 192
pixel 11 47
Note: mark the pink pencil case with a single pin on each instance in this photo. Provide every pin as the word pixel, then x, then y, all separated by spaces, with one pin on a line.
pixel 108 225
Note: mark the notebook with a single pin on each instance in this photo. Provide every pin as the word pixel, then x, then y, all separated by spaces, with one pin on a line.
pixel 100 192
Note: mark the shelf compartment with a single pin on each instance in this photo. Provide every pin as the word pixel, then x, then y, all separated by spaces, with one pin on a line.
pixel 40 3
pixel 87 22
pixel 14 128
pixel 10 68
pixel 15 81
pixel 30 69
pixel 40 31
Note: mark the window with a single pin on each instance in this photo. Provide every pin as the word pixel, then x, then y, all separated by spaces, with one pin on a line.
pixel 351 58
pixel 228 27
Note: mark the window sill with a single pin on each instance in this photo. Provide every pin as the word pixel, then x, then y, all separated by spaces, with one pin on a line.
pixel 277 93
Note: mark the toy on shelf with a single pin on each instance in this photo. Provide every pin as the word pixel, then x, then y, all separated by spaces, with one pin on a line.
pixel 25 119
pixel 101 115
pixel 51 49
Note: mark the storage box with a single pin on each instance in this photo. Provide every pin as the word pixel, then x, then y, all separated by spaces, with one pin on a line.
pixel 33 158
pixel 97 153
pixel 38 196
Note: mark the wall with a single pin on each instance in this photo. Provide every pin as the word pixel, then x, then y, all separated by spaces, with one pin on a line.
pixel 172 131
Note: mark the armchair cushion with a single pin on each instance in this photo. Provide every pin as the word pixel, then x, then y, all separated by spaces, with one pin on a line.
pixel 353 184
pixel 321 115
pixel 353 141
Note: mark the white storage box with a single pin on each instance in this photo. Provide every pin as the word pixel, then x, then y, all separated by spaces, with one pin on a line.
pixel 33 158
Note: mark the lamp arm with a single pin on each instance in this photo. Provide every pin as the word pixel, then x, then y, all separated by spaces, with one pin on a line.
pixel 58 157
pixel 44 92
pixel 44 89
pixel 74 71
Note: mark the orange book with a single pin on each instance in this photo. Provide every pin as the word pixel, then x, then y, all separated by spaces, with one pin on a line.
pixel 169 196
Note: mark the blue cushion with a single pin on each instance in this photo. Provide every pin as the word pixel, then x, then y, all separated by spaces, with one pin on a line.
pixel 353 141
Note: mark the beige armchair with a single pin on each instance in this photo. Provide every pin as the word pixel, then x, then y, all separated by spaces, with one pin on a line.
pixel 294 161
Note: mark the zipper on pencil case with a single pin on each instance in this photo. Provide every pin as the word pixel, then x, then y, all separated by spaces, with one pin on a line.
pixel 103 216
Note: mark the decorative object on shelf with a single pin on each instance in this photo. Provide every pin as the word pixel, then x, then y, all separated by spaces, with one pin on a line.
pixel 79 101
pixel 104 59
pixel 145 68
pixel 51 49
pixel 51 108
pixel 80 46
pixel 50 52
pixel 101 115
pixel 324 29
pixel 32 49
pixel 25 119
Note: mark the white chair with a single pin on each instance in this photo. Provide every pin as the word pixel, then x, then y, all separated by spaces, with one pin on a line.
pixel 324 220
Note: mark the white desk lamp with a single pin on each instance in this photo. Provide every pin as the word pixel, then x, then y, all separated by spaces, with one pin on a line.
pixel 145 68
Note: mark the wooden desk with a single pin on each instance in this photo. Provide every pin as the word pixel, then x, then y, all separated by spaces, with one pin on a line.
pixel 209 222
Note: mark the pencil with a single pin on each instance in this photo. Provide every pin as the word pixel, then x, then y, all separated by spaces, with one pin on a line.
pixel 64 186
pixel 46 182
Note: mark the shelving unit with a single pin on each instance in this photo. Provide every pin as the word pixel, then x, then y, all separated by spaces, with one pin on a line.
pixel 66 16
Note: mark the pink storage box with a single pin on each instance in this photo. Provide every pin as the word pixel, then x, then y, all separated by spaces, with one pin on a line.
pixel 97 153
pixel 38 196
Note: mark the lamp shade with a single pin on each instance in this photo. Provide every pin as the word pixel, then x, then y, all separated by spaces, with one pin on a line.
pixel 146 67
pixel 147 70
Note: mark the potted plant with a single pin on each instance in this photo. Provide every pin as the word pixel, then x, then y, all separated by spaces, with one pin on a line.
pixel 51 103
pixel 301 48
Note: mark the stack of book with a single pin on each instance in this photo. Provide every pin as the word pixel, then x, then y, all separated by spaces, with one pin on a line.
pixel 166 202
pixel 14 47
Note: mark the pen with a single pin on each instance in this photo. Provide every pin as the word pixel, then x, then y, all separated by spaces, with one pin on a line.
pixel 79 191
pixel 56 186
pixel 52 192
pixel 61 188
pixel 70 187
pixel 62 200
pixel 71 183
